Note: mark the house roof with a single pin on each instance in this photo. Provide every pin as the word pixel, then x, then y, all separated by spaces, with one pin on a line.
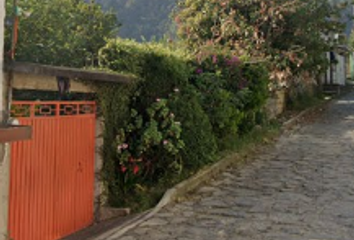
pixel 73 73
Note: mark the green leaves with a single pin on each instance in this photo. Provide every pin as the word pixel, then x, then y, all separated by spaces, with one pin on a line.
pixel 147 131
pixel 289 34
pixel 176 115
pixel 62 32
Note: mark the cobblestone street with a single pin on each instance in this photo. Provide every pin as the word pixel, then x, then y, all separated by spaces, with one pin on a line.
pixel 302 189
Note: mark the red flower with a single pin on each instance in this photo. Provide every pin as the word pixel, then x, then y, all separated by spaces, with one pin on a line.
pixel 136 169
pixel 123 168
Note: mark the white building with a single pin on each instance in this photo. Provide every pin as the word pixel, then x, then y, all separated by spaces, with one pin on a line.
pixel 341 58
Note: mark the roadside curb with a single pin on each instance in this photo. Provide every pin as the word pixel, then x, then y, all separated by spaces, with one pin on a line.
pixel 291 123
pixel 297 119
pixel 191 184
pixel 176 193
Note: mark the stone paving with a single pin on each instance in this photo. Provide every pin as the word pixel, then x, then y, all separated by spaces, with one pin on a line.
pixel 302 189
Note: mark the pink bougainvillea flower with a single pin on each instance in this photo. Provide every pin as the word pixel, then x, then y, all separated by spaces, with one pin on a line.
pixel 233 61
pixel 199 71
pixel 136 169
pixel 123 168
pixel 125 146
pixel 223 4
pixel 165 142
pixel 215 59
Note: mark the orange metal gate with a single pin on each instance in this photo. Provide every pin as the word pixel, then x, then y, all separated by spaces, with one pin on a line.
pixel 52 175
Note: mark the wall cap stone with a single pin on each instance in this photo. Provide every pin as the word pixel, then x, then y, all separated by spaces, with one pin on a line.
pixel 93 75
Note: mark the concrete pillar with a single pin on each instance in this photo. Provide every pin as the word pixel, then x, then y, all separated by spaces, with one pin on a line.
pixel 351 66
pixel 98 185
pixel 2 36
pixel 4 158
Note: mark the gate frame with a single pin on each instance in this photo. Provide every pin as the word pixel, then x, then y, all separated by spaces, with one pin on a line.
pixel 33 76
pixel 98 161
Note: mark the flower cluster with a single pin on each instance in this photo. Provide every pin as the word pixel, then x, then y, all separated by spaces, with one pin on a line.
pixel 153 129
pixel 233 61
pixel 132 164
pixel 122 147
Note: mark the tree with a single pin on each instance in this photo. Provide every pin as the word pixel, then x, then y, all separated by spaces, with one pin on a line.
pixel 61 32
pixel 289 34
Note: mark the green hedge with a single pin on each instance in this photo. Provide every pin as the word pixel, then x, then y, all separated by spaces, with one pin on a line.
pixel 175 118
pixel 232 94
pixel 163 76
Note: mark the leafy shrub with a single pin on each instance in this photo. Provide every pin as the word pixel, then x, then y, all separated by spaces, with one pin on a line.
pixel 302 95
pixel 163 90
pixel 61 32
pixel 221 105
pixel 147 146
pixel 197 134
pixel 258 78
pixel 114 102
pixel 177 116
pixel 232 93
pixel 160 68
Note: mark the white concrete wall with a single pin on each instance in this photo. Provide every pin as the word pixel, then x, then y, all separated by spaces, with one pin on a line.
pixel 338 71
pixel 4 160
pixel 41 82
pixel 341 72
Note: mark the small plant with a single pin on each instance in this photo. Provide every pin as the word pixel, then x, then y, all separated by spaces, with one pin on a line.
pixel 231 92
pixel 148 146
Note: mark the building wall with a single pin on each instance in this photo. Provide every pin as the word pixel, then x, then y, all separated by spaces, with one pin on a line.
pixel 339 72
pixel 41 82
pixel 276 104
pixel 4 158
pixel 351 67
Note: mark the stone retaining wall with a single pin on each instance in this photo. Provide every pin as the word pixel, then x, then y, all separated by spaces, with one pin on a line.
pixel 276 104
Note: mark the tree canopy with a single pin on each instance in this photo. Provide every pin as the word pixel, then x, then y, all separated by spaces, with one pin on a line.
pixel 290 34
pixel 61 32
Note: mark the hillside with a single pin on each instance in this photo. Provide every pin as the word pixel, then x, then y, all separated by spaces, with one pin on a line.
pixel 142 18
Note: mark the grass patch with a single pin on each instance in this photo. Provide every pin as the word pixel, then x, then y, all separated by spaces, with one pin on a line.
pixel 304 101
pixel 259 135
